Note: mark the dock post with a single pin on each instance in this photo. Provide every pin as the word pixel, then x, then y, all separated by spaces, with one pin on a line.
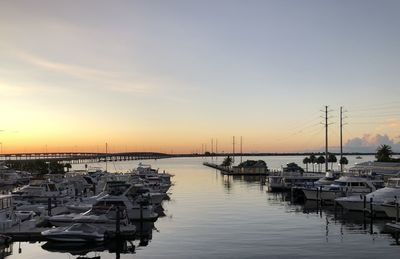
pixel 291 194
pixel 365 211
pixel 335 207
pixel 141 211
pixel 117 223
pixel 320 195
pixel 371 214
pixel 49 206
pixel 397 212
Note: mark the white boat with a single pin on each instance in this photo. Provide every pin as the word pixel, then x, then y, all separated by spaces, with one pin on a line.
pixel 40 191
pixel 286 180
pixel 7 216
pixel 8 176
pixel 79 232
pixel 391 209
pixel 387 194
pixel 93 217
pixel 344 186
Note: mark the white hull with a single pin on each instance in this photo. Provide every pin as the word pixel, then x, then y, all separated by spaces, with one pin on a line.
pixel 326 195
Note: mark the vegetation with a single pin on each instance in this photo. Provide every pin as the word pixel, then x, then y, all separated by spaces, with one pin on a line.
pixel 253 163
pixel 38 166
pixel 320 161
pixel 227 161
pixel 343 161
pixel 313 160
pixel 332 159
pixel 384 153
pixel 306 161
pixel 293 167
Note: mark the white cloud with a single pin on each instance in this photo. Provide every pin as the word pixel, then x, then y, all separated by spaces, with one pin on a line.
pixel 369 143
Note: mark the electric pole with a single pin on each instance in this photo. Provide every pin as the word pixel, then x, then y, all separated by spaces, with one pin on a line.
pixel 326 138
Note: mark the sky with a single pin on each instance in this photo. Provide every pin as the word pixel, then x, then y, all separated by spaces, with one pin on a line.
pixel 169 76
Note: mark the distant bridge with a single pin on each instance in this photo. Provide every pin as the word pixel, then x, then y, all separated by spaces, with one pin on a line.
pixel 82 157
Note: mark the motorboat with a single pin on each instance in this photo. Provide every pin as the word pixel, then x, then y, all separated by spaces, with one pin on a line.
pixel 40 191
pixel 7 216
pixel 391 209
pixel 8 176
pixel 344 186
pixel 284 181
pixel 93 217
pixel 328 179
pixel 78 232
pixel 387 194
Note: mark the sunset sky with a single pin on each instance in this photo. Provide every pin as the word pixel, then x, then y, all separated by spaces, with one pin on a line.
pixel 170 75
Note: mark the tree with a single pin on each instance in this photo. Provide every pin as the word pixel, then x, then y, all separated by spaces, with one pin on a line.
pixel 384 153
pixel 332 159
pixel 320 161
pixel 227 161
pixel 306 161
pixel 313 160
pixel 343 161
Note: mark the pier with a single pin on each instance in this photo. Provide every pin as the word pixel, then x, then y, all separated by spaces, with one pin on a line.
pixel 82 157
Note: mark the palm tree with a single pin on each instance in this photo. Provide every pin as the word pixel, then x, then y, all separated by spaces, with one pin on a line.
pixel 384 153
pixel 306 161
pixel 332 159
pixel 313 160
pixel 320 161
pixel 227 161
pixel 343 161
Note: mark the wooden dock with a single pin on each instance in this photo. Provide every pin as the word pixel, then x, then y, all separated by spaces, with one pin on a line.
pixel 223 169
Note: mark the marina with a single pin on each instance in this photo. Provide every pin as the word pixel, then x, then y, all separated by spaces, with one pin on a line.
pixel 220 212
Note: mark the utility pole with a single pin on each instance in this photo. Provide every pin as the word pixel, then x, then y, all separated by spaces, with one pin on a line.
pixel 326 138
pixel 341 138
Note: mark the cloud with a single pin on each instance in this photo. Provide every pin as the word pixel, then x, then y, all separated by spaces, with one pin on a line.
pixel 369 143
pixel 109 80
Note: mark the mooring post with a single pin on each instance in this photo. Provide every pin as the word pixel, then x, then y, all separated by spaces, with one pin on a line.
pixel 49 206
pixel 335 207
pixel 291 194
pixel 141 211
pixel 365 211
pixel 371 214
pixel 397 212
pixel 117 223
pixel 320 195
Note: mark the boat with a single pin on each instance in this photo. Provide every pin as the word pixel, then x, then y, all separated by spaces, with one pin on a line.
pixel 7 216
pixel 40 191
pixel 284 181
pixel 106 219
pixel 79 232
pixel 391 209
pixel 344 186
pixel 8 176
pixel 5 240
pixel 387 194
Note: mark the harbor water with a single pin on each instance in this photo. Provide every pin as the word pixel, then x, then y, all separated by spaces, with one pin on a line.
pixel 209 215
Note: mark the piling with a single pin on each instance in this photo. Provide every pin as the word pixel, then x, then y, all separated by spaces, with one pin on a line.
pixel 371 211
pixel 117 223
pixel 397 211
pixel 320 195
pixel 365 211
pixel 49 206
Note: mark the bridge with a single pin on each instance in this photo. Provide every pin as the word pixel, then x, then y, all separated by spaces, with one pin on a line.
pixel 83 157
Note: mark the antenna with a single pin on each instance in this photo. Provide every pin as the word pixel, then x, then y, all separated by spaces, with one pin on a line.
pixel 106 154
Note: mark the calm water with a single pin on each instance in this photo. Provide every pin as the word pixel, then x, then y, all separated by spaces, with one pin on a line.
pixel 212 216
